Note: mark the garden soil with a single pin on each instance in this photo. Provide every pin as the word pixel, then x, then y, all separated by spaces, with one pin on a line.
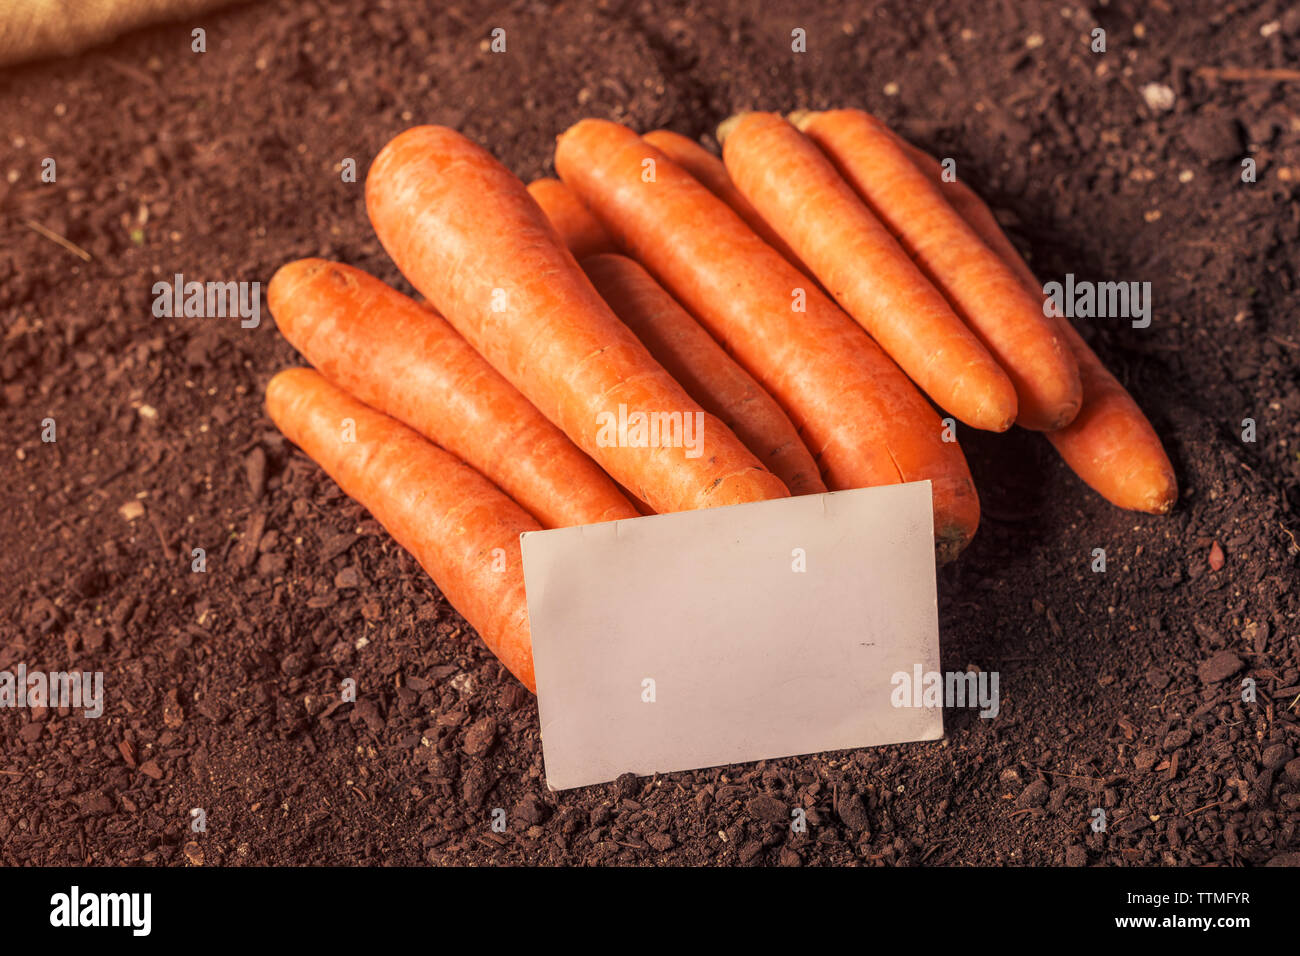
pixel 224 740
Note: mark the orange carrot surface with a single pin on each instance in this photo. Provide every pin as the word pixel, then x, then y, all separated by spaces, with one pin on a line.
pixel 466 233
pixel 403 359
pixel 1110 444
pixel 581 232
pixel 859 262
pixel 462 529
pixel 711 171
pixel 864 422
pixel 708 373
pixel 981 288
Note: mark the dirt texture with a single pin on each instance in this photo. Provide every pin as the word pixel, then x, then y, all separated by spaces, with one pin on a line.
pixel 1120 690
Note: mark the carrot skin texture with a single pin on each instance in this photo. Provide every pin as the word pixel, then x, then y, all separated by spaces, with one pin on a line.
pixel 405 360
pixel 863 421
pixel 981 288
pixel 705 370
pixel 454 521
pixel 1110 444
pixel 712 172
pixel 854 256
pixel 579 229
pixel 466 233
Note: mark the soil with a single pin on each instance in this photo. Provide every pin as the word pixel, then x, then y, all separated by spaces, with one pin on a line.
pixel 1120 690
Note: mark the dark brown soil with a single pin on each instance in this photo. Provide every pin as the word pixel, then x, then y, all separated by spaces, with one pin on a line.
pixel 1120 690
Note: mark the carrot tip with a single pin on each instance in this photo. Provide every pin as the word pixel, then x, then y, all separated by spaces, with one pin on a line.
pixel 728 124
pixel 1163 502
pixel 950 544
pixel 1039 422
pixel 801 118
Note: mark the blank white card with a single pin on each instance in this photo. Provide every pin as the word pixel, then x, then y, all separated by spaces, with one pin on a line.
pixel 732 634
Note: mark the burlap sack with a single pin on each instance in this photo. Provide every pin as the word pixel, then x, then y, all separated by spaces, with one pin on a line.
pixel 31 29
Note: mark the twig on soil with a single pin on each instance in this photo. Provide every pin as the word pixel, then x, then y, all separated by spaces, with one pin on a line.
pixel 134 72
pixel 1208 806
pixel 99 483
pixel 168 553
pixel 1075 776
pixel 1287 531
pixel 53 236
pixel 1246 75
pixel 930 852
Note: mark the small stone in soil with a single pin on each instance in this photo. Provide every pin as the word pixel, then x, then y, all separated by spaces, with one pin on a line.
pixel 1216 557
pixel 1034 795
pixel 1276 755
pixel 661 841
pixel 1292 771
pixel 854 813
pixel 255 469
pixel 1219 667
pixel 480 736
pixel 1213 137
pixel 768 809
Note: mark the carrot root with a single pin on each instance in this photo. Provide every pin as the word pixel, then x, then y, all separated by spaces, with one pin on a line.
pixel 462 529
pixel 705 370
pixel 1110 444
pixel 980 287
pixel 795 187
pixel 863 421
pixel 405 360
pixel 467 234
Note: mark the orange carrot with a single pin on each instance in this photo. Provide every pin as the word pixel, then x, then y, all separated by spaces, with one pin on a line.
pixel 689 353
pixel 795 187
pixel 466 233
pixel 462 529
pixel 864 422
pixel 581 232
pixel 1110 444
pixel 981 288
pixel 977 215
pixel 402 358
pixel 708 374
pixel 709 170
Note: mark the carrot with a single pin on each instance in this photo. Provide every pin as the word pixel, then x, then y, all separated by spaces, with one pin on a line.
pixel 689 353
pixel 711 171
pixel 1110 444
pixel 708 374
pixel 466 233
pixel 462 529
pixel 796 188
pixel 981 288
pixel 864 422
pixel 977 215
pixel 581 232
pixel 402 358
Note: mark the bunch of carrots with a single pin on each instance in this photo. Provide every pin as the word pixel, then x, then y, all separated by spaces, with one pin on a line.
pixel 805 294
